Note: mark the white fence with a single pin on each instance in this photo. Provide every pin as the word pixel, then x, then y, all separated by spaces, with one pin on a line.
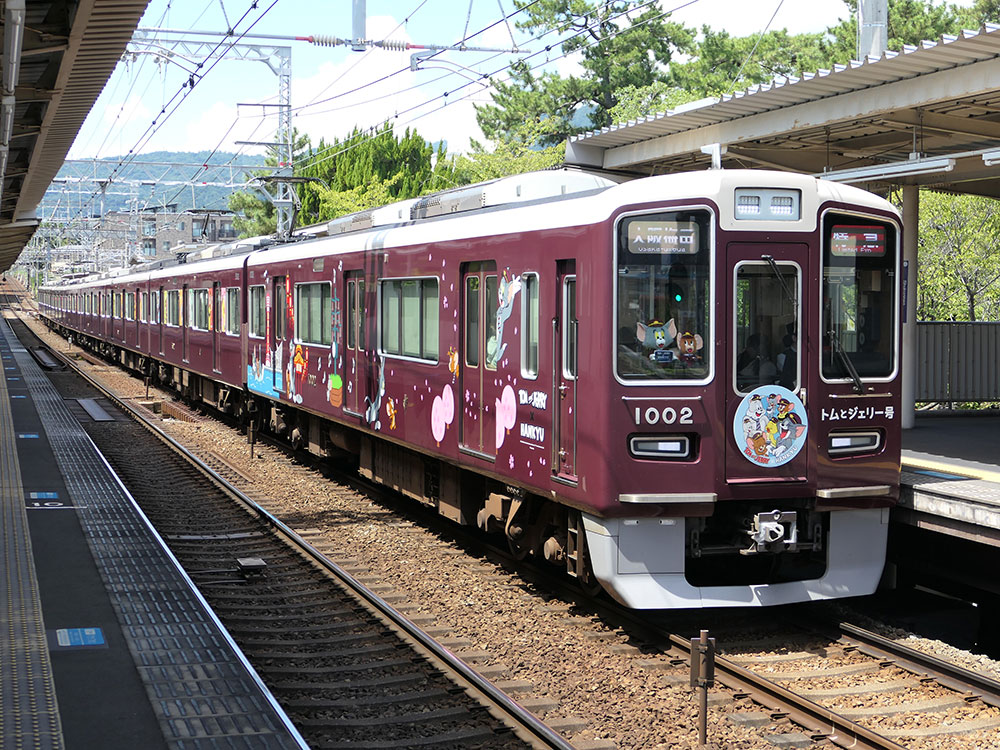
pixel 958 361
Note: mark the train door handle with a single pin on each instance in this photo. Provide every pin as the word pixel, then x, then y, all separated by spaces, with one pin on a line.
pixel 562 390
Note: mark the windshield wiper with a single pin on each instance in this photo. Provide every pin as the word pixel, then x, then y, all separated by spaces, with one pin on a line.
pixel 781 280
pixel 845 360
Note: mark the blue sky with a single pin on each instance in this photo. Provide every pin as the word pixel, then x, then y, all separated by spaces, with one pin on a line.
pixel 334 89
pixel 208 116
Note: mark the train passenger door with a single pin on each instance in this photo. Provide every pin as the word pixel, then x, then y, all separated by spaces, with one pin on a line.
pixel 158 314
pixel 185 322
pixel 215 322
pixel 354 348
pixel 766 367
pixel 280 354
pixel 565 339
pixel 477 389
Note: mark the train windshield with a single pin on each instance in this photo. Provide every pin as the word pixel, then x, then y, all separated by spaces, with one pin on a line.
pixel 859 292
pixel 663 296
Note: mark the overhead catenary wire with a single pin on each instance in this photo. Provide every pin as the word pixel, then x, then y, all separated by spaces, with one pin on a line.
pixel 449 102
pixel 185 89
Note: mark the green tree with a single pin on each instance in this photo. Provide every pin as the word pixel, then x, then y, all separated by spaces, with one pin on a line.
pixel 724 63
pixel 635 102
pixel 370 163
pixel 515 152
pixel 959 257
pixel 622 43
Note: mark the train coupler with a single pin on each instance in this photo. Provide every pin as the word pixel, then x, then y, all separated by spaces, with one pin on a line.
pixel 773 531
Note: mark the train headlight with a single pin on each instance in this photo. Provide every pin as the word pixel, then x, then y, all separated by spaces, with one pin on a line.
pixel 843 443
pixel 672 447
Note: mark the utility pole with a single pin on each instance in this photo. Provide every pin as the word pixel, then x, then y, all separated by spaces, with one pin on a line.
pixel 873 28
pixel 277 57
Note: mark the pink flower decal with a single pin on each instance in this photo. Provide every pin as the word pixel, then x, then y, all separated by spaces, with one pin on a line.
pixel 506 413
pixel 442 413
pixel 437 420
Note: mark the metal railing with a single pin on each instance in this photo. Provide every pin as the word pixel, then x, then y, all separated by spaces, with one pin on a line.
pixel 958 361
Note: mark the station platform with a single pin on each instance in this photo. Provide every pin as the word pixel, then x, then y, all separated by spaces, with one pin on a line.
pixel 105 641
pixel 951 475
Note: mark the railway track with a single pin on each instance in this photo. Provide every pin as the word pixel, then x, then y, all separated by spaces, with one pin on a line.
pixel 851 688
pixel 349 670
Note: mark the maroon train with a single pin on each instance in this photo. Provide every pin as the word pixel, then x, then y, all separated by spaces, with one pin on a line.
pixel 684 388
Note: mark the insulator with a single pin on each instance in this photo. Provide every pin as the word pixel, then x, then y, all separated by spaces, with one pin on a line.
pixel 392 44
pixel 323 40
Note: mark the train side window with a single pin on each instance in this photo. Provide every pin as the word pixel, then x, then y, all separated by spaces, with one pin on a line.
pixel 352 320
pixel 257 319
pixel 154 310
pixel 231 314
pixel 198 311
pixel 280 306
pixel 173 307
pixel 409 323
pixel 144 308
pixel 569 328
pixel 472 321
pixel 129 305
pixel 312 314
pixel 529 325
pixel 489 323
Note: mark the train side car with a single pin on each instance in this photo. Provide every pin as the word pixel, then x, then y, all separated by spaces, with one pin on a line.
pixel 684 388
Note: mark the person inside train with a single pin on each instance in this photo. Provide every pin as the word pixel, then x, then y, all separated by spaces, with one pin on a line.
pixel 787 362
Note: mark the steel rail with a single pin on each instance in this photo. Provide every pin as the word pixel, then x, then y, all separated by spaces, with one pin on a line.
pixel 542 735
pixel 538 729
pixel 821 722
pixel 905 657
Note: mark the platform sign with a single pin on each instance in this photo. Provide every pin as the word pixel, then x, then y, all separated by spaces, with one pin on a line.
pixel 76 638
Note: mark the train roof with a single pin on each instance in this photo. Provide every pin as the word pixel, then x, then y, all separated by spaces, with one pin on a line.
pixel 528 202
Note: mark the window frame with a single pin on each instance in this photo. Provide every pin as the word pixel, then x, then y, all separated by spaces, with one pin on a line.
pixel 425 324
pixel 526 297
pixel 326 332
pixel 199 299
pixel 711 336
pixel 232 311
pixel 252 331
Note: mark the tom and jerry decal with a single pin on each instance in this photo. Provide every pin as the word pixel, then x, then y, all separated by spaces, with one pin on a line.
pixel 770 426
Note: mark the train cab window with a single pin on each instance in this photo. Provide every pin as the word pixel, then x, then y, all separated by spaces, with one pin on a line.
pixel 257 318
pixel 198 309
pixel 767 310
pixel 663 324
pixel 529 325
pixel 173 307
pixel 859 297
pixel 312 314
pixel 231 311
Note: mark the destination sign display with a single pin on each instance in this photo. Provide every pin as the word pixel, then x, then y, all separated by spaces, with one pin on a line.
pixel 852 241
pixel 663 237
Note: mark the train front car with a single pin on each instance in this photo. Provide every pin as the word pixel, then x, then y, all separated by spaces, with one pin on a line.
pixel 753 431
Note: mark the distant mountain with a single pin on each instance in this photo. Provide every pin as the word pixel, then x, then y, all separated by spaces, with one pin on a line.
pixel 177 179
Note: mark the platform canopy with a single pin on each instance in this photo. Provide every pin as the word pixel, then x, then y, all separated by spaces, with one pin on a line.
pixel 929 115
pixel 57 57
